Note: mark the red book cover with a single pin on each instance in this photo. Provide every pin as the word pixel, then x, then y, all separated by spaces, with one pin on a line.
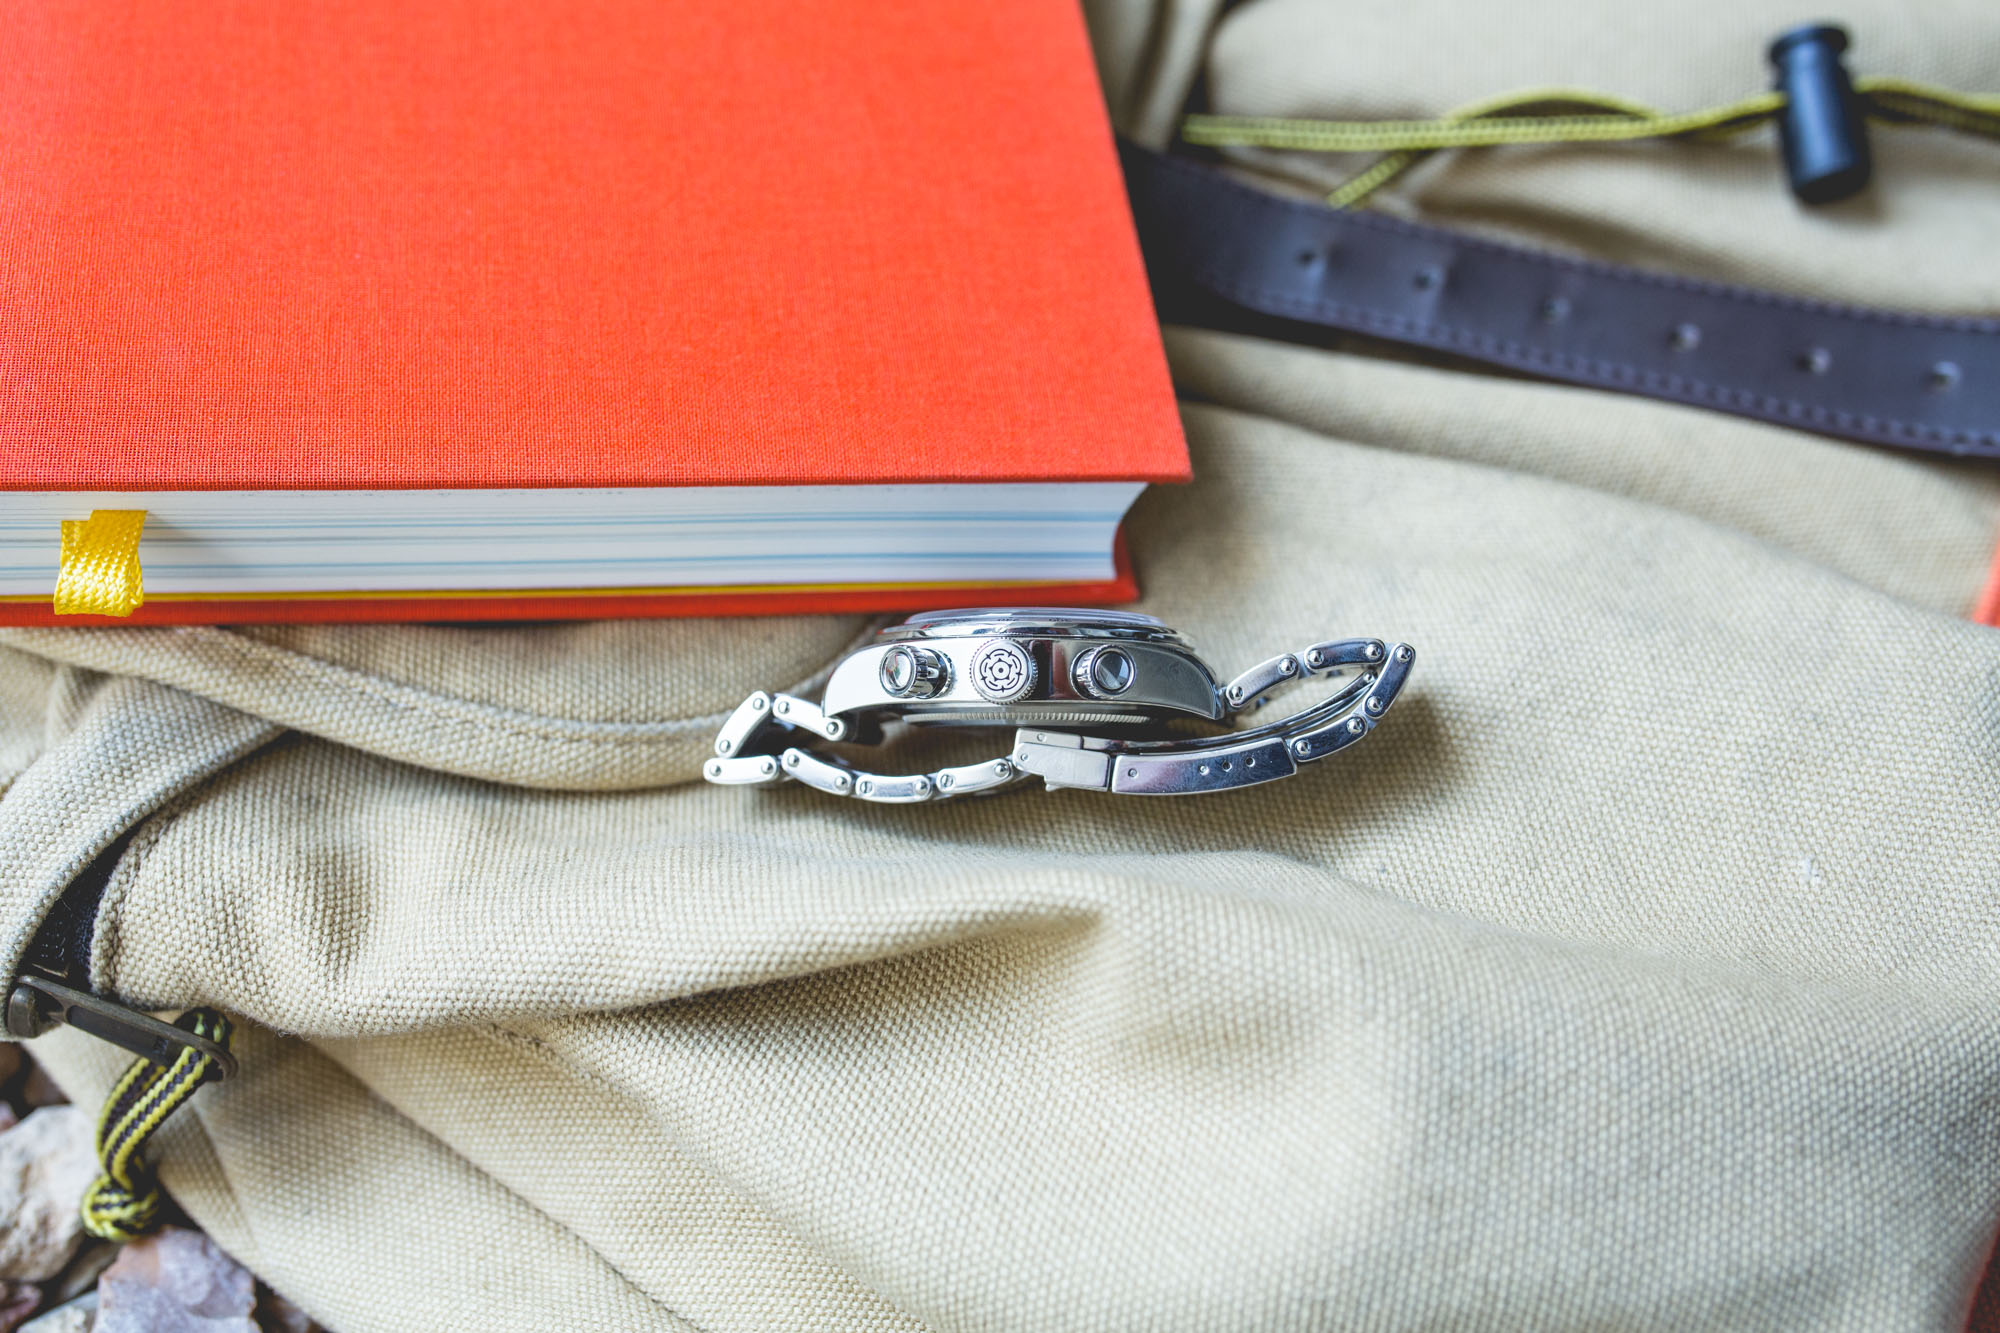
pixel 366 246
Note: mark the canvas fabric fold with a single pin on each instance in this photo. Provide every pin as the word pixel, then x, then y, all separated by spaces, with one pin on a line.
pixel 1638 973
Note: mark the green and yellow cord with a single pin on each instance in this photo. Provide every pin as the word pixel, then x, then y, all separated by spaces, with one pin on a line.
pixel 122 1202
pixel 1567 116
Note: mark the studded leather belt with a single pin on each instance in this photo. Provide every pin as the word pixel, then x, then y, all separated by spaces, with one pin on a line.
pixel 1223 254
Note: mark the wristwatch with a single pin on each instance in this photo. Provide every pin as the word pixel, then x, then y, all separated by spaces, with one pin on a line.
pixel 1097 699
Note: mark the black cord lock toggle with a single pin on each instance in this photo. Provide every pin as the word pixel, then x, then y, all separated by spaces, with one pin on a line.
pixel 1823 126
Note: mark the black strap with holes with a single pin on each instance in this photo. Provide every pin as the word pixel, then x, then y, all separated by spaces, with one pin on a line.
pixel 1225 255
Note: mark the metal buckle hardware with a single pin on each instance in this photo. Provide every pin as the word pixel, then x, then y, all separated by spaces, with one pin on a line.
pixel 37 1004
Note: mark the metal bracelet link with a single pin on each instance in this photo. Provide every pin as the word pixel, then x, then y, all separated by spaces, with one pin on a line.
pixel 1335 657
pixel 738 762
pixel 760 710
pixel 744 755
pixel 1240 758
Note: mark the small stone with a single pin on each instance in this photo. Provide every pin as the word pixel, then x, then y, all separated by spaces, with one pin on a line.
pixel 175 1281
pixel 83 1271
pixel 79 1316
pixel 18 1300
pixel 46 1163
pixel 38 1089
pixel 275 1314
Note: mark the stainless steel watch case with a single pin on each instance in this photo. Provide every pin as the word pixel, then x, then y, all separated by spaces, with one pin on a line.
pixel 1025 667
pixel 1051 673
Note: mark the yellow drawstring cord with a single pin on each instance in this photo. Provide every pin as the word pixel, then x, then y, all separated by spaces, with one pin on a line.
pixel 1567 115
pixel 122 1202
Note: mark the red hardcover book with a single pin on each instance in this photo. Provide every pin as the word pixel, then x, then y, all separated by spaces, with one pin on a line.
pixel 613 307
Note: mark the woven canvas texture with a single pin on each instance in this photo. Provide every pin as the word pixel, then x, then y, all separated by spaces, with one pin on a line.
pixel 1637 974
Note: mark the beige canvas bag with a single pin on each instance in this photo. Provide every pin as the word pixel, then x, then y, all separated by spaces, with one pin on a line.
pixel 1639 973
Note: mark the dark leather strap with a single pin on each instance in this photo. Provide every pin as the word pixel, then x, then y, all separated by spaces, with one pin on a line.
pixel 1223 254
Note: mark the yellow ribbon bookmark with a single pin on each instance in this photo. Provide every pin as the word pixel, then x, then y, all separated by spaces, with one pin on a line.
pixel 100 573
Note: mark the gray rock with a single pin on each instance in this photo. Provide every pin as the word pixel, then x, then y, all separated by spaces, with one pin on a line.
pixel 175 1281
pixel 18 1300
pixel 275 1314
pixel 79 1316
pixel 38 1089
pixel 46 1163
pixel 82 1273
